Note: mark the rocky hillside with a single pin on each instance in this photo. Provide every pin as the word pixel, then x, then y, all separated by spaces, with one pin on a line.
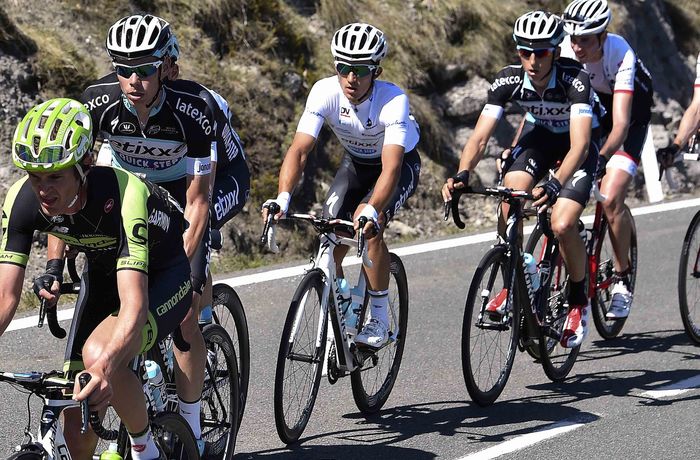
pixel 264 55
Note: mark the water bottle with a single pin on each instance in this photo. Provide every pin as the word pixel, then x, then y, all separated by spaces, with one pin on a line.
pixel 157 385
pixel 205 316
pixel 111 453
pixel 531 271
pixel 345 300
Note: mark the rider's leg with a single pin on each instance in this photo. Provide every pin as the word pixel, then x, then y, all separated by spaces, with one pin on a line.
pixel 517 180
pixel 614 186
pixel 565 217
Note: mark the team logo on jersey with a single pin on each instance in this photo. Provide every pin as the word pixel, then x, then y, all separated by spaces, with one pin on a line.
pixel 578 175
pixel 194 113
pixel 56 219
pixel 148 153
pixel 109 204
pixel 154 129
pixel 63 230
pixel 345 112
pixel 92 104
pixel 127 128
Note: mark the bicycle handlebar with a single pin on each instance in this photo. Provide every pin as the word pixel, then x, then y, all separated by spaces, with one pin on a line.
pixel 92 417
pixel 499 191
pixel 51 312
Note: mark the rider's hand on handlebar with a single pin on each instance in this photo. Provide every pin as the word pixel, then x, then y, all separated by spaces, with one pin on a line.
pixel 546 194
pixel 371 228
pixel 459 180
pixel 667 155
pixel 282 201
pixel 98 389
pixel 48 285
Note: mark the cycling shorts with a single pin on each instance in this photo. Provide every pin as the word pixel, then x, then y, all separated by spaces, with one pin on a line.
pixel 539 150
pixel 354 184
pixel 229 195
pixel 630 155
pixel 169 299
pixel 199 265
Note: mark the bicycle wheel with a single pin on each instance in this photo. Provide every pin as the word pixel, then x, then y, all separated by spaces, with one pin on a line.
pixel 228 312
pixel 688 280
pixel 556 360
pixel 300 358
pixel 172 433
pixel 605 281
pixel 220 394
pixel 111 421
pixel 489 340
pixel 28 452
pixel 373 381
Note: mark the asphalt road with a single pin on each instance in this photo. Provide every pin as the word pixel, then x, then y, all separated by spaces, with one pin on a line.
pixel 609 407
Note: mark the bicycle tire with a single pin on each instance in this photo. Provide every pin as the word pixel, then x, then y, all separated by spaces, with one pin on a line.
pixel 173 434
pixel 228 312
pixel 557 361
pixel 28 452
pixel 485 386
pixel 220 393
pixel 689 286
pixel 600 303
pixel 369 389
pixel 305 323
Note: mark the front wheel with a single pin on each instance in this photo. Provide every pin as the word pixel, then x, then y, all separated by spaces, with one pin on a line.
pixel 689 280
pixel 489 339
pixel 300 358
pixel 29 452
pixel 174 436
pixel 605 278
pixel 373 381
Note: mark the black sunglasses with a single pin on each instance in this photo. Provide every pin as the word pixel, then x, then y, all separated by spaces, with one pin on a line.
pixel 360 71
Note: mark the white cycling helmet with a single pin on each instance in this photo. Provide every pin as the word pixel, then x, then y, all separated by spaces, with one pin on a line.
pixel 538 29
pixel 138 36
pixel 587 17
pixel 359 43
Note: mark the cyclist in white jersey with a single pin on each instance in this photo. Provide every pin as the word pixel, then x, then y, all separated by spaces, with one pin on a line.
pixel 380 169
pixel 690 124
pixel 624 87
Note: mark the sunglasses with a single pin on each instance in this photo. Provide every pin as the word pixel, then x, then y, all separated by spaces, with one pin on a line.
pixel 47 156
pixel 142 71
pixel 360 71
pixel 540 53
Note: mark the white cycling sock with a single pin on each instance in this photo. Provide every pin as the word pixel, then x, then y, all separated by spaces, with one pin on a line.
pixel 143 447
pixel 190 412
pixel 380 303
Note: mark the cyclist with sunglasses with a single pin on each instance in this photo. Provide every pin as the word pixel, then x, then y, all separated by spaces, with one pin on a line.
pixel 380 168
pixel 136 286
pixel 561 112
pixel 624 87
pixel 164 135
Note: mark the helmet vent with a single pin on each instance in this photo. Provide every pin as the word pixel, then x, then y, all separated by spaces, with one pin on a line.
pixel 42 122
pixel 55 129
pixel 69 136
pixel 36 141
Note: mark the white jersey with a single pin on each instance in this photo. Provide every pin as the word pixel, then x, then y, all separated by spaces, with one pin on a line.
pixel 383 119
pixel 697 72
pixel 618 68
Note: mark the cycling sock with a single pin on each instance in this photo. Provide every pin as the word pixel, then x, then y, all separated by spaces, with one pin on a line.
pixel 190 412
pixel 142 446
pixel 380 303
pixel 577 293
pixel 624 277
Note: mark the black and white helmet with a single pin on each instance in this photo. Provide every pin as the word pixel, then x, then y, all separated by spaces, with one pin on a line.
pixel 138 36
pixel 359 43
pixel 538 29
pixel 587 17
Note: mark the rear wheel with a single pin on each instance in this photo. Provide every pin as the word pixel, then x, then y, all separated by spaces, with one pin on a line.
pixel 172 433
pixel 489 339
pixel 300 358
pixel 373 381
pixel 689 280
pixel 605 280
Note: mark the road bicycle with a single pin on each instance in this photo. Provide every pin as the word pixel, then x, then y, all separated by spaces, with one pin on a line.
pixel 228 312
pixel 528 319
pixel 307 339
pixel 689 267
pixel 601 258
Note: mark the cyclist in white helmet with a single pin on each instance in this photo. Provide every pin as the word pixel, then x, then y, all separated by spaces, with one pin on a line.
pixel 624 87
pixel 380 168
pixel 561 114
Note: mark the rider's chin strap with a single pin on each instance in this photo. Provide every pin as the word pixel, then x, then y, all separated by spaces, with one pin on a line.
pixel 160 87
pixel 83 178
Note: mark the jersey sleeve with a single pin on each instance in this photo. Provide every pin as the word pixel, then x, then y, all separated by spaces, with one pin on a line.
pixel 133 250
pixel 580 94
pixel 500 92
pixel 626 68
pixel 315 112
pixel 395 118
pixel 17 225
pixel 199 142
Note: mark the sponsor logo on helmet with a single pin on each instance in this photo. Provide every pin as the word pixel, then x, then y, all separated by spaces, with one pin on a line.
pixel 196 114
pixel 127 128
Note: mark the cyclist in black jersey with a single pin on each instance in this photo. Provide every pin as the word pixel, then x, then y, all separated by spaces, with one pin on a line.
pixel 624 87
pixel 135 288
pixel 561 112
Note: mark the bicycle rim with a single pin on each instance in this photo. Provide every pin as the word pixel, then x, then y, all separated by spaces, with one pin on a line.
pixel 489 340
pixel 28 452
pixel 220 393
pixel 689 280
pixel 111 421
pixel 172 433
pixel 557 361
pixel 373 381
pixel 300 358
pixel 228 312
pixel 604 281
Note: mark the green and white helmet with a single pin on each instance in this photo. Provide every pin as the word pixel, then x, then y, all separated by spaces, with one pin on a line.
pixel 54 135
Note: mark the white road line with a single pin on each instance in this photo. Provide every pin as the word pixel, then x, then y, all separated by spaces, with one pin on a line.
pixel 527 440
pixel 270 275
pixel 674 389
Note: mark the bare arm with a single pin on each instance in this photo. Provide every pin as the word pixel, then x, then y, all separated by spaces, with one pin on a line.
pixel 196 211
pixel 621 115
pixel 11 278
pixel 690 123
pixel 384 188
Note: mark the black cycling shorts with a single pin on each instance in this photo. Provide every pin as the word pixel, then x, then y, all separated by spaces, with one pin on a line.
pixel 354 183
pixel 169 298
pixel 230 194
pixel 199 265
pixel 539 150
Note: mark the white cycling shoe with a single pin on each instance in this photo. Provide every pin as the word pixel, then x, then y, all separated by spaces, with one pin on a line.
pixel 375 334
pixel 621 302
